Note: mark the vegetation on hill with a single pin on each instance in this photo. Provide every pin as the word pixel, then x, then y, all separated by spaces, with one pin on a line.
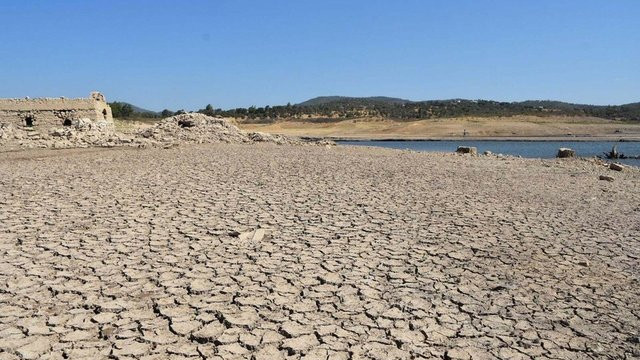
pixel 323 100
pixel 337 108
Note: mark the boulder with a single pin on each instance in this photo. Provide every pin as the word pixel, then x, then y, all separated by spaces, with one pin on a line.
pixel 467 150
pixel 616 167
pixel 566 153
pixel 488 153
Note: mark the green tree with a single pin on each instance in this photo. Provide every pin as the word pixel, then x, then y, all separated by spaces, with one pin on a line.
pixel 121 110
pixel 208 110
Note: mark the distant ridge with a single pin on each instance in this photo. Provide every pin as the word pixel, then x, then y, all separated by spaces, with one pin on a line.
pixel 346 107
pixel 140 110
pixel 321 100
pixel 552 104
pixel 337 108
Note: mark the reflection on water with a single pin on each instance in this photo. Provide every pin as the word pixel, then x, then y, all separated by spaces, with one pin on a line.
pixel 529 149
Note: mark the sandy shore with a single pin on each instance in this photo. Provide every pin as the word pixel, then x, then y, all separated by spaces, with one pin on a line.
pixel 509 128
pixel 368 253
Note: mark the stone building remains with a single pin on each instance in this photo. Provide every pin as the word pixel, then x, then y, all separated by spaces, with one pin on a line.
pixel 55 112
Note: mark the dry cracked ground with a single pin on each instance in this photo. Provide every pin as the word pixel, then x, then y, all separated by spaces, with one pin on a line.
pixel 359 253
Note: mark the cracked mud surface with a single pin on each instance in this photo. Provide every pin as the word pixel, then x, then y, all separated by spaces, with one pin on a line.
pixel 370 253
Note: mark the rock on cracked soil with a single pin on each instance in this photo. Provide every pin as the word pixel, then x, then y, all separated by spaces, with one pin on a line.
pixel 366 253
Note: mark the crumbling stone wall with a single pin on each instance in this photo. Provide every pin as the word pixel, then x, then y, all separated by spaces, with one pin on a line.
pixel 54 112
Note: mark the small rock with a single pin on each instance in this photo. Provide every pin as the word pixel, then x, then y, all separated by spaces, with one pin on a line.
pixel 252 235
pixel 606 177
pixel 616 167
pixel 566 153
pixel 258 235
pixel 487 152
pixel 467 150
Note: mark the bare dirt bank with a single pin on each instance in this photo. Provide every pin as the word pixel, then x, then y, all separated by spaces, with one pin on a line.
pixel 520 127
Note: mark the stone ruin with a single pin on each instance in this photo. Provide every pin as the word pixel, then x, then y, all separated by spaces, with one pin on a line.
pixel 55 112
pixel 53 131
pixel 69 123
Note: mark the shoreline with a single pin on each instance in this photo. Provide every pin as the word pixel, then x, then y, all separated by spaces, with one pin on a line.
pixel 481 138
pixel 476 129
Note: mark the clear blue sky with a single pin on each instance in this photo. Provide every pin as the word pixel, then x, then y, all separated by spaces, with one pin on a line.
pixel 185 54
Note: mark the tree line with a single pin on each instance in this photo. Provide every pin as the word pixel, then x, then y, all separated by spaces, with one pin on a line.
pixel 351 108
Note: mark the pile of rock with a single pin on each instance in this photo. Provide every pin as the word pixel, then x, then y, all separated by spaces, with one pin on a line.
pixel 196 128
pixel 183 128
pixel 200 128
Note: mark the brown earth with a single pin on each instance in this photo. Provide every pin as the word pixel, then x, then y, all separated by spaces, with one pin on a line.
pixel 500 128
pixel 227 251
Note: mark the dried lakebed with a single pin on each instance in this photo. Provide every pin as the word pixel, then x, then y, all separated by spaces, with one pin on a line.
pixel 359 253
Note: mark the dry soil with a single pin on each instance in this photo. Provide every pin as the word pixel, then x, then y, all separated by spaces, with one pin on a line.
pixel 360 253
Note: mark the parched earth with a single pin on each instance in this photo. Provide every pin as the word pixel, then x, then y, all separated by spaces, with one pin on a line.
pixel 270 252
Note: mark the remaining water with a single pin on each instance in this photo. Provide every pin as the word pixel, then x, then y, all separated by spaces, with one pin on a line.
pixel 529 149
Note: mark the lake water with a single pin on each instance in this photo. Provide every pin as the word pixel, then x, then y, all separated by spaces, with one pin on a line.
pixel 528 149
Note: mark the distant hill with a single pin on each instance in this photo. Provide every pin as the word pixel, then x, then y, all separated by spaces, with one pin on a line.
pixel 140 110
pixel 322 100
pixel 331 108
pixel 338 108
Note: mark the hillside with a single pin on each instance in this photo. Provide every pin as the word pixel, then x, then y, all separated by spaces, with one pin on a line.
pixel 325 100
pixel 338 108
pixel 327 109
